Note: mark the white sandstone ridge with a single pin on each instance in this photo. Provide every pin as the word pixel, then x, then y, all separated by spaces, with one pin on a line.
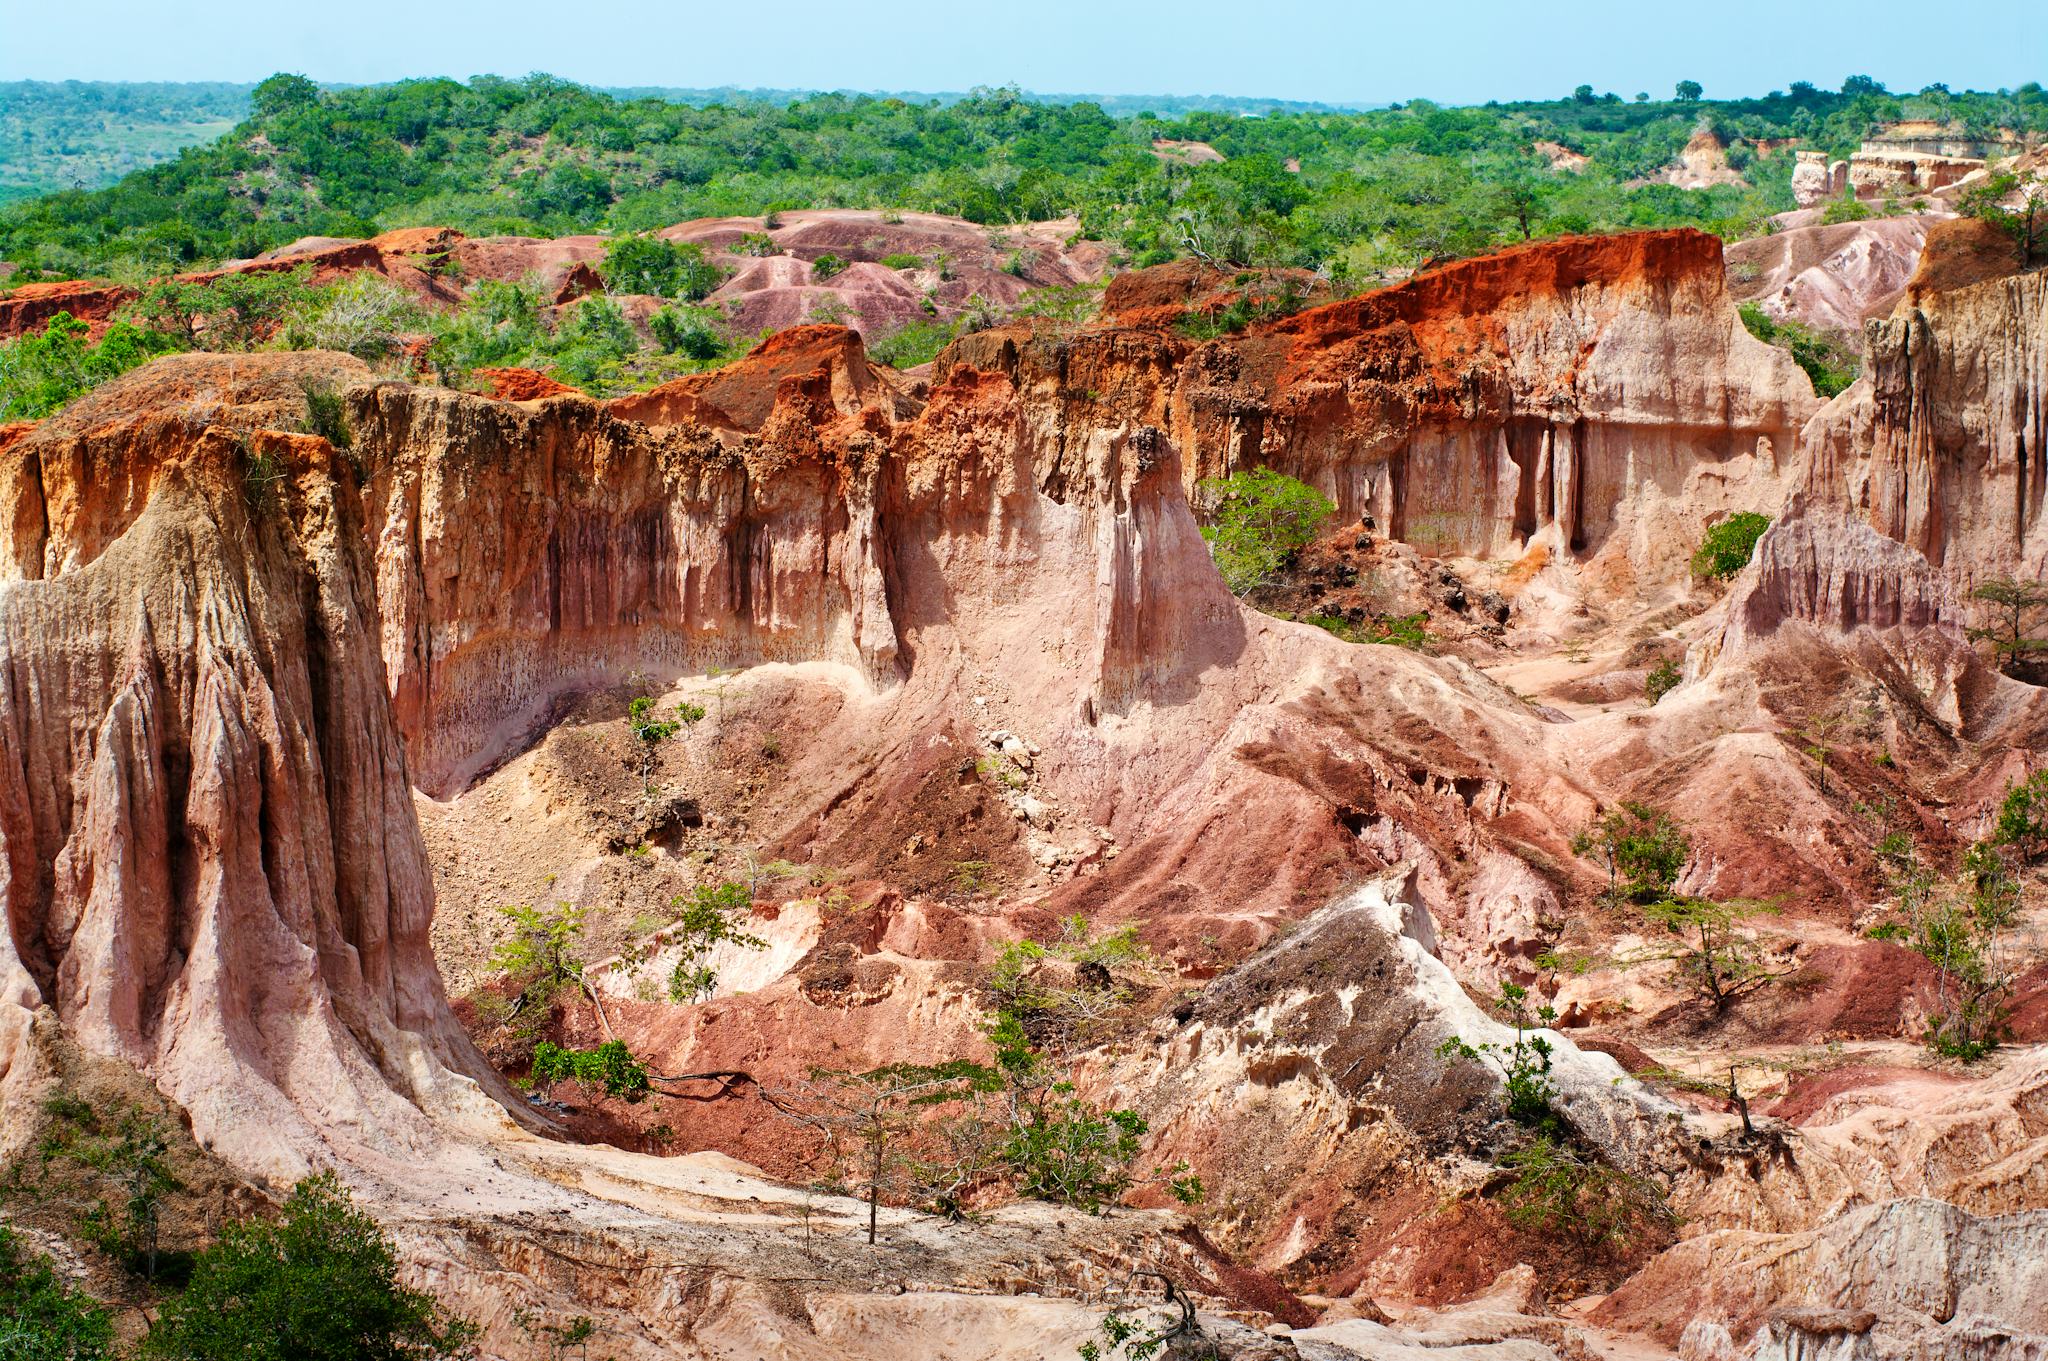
pixel 1269 1079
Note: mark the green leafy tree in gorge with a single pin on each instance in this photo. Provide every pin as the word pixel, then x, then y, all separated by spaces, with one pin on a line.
pixel 1689 91
pixel 610 1067
pixel 710 916
pixel 1643 848
pixel 1262 518
pixel 1728 546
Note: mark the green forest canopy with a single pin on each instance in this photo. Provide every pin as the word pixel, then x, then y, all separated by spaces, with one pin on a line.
pixel 540 155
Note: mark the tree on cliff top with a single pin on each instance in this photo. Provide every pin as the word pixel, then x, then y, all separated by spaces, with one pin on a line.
pixel 281 94
pixel 2026 222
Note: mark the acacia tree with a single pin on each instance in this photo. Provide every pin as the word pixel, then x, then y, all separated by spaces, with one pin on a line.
pixel 1962 924
pixel 2014 609
pixel 1644 849
pixel 1717 954
pixel 876 1108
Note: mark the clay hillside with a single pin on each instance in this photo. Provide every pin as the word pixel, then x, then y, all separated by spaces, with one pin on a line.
pixel 894 782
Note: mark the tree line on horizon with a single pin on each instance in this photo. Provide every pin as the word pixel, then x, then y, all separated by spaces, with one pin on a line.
pixel 1350 193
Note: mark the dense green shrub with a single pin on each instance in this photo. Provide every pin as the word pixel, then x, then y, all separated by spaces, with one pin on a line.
pixel 1847 208
pixel 1643 848
pixel 1662 680
pixel 666 269
pixel 234 312
pixel 40 373
pixel 610 1067
pixel 912 344
pixel 320 1283
pixel 692 332
pixel 1728 546
pixel 498 324
pixel 1262 518
pixel 42 1318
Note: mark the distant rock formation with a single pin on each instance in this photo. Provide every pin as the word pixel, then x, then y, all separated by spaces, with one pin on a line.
pixel 1816 179
pixel 1834 277
pixel 1944 443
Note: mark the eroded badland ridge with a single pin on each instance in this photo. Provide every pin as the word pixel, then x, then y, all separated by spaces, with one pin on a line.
pixel 286 717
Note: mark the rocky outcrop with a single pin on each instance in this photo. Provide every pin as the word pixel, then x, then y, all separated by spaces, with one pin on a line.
pixel 1815 179
pixel 1831 277
pixel 1596 395
pixel 1702 163
pixel 523 553
pixel 1314 1066
pixel 28 308
pixel 1942 444
pixel 211 866
pixel 1904 1279
pixel 1884 172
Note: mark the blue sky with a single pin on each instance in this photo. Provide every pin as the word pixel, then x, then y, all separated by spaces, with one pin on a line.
pixel 1448 50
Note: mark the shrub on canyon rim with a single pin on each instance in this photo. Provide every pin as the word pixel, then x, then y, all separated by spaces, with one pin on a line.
pixel 40 373
pixel 1262 518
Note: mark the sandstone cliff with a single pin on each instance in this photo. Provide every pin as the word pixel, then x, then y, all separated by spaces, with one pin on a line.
pixel 1941 445
pixel 1596 395
pixel 211 866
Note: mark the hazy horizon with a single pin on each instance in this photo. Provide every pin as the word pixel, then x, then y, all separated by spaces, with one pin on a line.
pixel 1294 50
